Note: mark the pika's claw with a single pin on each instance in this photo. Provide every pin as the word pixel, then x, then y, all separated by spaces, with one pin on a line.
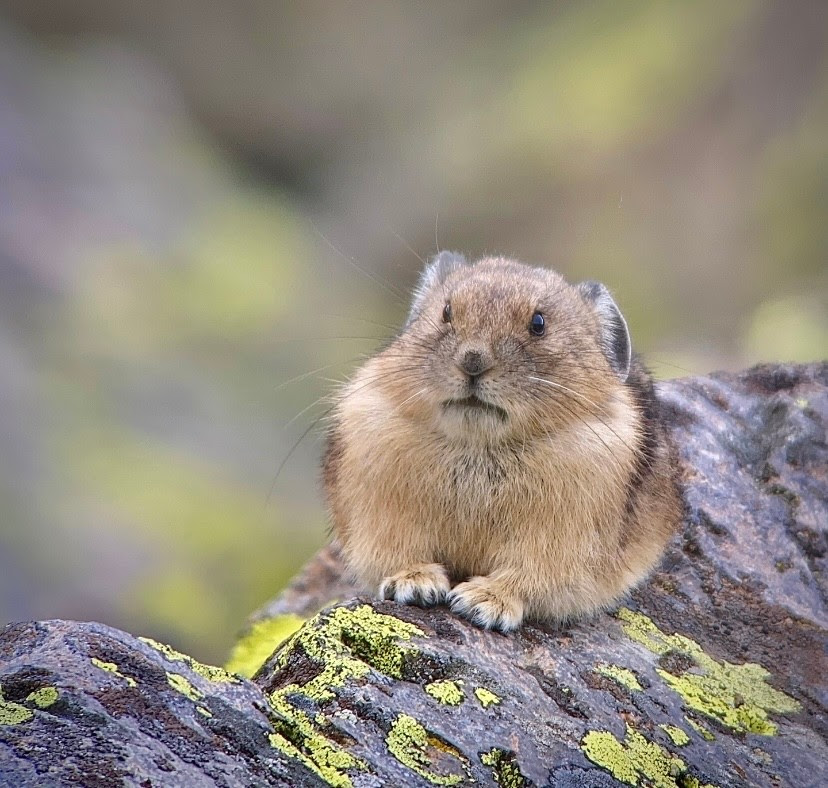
pixel 483 603
pixel 423 584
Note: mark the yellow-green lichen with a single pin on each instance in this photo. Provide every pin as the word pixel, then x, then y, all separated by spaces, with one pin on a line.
pixel 111 667
pixel 182 685
pixel 13 713
pixel 260 641
pixel 209 672
pixel 486 697
pixel 204 712
pixel 623 676
pixel 700 729
pixel 43 697
pixel 346 644
pixel 410 743
pixel 298 737
pixel 446 692
pixel 635 759
pixel 676 734
pixel 738 696
pixel 504 769
pixel 688 781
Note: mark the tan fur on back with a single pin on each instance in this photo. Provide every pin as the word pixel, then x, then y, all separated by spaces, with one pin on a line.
pixel 535 505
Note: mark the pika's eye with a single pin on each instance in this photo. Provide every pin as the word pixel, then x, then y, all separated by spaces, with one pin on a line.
pixel 447 313
pixel 537 325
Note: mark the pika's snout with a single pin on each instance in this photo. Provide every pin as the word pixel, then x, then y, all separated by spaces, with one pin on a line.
pixel 474 361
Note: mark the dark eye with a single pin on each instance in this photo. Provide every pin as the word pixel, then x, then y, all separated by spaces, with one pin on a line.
pixel 447 313
pixel 537 325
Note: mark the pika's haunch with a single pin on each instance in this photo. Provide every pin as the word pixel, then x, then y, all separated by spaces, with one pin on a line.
pixel 505 453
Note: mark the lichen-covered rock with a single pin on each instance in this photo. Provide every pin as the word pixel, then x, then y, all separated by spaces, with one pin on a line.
pixel 713 673
pixel 88 705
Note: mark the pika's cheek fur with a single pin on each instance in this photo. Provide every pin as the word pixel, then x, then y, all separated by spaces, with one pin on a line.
pixel 531 468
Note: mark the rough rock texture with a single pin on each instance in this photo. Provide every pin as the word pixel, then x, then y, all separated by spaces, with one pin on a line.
pixel 714 672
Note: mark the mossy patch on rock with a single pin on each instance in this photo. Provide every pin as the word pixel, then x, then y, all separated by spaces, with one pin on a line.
pixel 636 759
pixel 182 685
pixel 299 737
pixel 446 692
pixel 43 697
pixel 111 667
pixel 505 770
pixel 700 729
pixel 623 676
pixel 486 697
pixel 738 696
pixel 209 672
pixel 260 641
pixel 13 713
pixel 676 734
pixel 414 747
pixel 346 644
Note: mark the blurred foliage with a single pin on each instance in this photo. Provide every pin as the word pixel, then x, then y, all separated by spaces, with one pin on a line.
pixel 212 551
pixel 604 75
pixel 228 280
pixel 203 217
pixel 793 328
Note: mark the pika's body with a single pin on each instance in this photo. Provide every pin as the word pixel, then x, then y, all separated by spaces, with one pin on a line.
pixel 504 453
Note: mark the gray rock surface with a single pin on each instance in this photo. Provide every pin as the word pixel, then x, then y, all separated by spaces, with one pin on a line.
pixel 713 672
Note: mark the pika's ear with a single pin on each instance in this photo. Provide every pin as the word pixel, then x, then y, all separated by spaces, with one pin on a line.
pixel 435 273
pixel 615 336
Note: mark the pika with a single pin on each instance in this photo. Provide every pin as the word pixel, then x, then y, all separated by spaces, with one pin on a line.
pixel 505 453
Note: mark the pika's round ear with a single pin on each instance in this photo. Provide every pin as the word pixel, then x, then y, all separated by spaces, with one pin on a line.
pixel 615 336
pixel 435 273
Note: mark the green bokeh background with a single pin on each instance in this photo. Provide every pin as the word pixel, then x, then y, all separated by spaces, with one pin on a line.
pixel 188 192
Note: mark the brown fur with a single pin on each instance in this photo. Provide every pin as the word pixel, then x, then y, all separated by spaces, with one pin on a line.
pixel 551 508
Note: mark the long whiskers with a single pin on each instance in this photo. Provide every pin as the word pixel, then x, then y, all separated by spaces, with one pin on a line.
pixel 405 243
pixel 416 394
pixel 394 291
pixel 398 373
pixel 310 373
pixel 566 389
pixel 593 413
pixel 613 456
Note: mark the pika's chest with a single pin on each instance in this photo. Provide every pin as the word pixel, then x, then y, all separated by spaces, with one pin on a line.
pixel 476 487
pixel 500 489
pixel 470 473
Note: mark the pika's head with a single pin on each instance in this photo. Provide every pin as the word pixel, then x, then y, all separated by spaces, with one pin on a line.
pixel 496 349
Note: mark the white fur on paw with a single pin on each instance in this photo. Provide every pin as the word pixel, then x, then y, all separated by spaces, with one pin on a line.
pixel 424 584
pixel 479 600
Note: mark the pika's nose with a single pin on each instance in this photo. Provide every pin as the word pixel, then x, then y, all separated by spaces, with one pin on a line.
pixel 473 363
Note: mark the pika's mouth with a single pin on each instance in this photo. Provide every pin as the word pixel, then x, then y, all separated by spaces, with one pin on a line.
pixel 473 404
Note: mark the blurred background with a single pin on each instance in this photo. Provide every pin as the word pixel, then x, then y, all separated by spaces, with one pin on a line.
pixel 189 189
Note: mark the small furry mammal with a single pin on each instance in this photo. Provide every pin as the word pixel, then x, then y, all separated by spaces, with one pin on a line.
pixel 504 453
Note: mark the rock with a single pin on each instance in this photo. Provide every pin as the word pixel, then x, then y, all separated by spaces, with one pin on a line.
pixel 712 673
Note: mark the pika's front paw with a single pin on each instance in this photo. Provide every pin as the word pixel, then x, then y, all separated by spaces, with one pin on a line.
pixel 485 604
pixel 423 584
